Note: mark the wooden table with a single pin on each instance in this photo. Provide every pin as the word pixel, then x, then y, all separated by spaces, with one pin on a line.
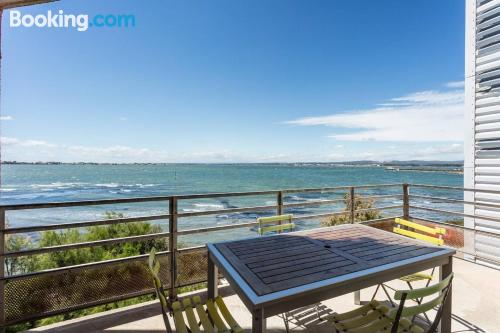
pixel 279 273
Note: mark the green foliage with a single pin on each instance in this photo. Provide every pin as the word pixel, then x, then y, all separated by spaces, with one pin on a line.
pixel 19 265
pixel 87 254
pixel 359 204
pixel 130 272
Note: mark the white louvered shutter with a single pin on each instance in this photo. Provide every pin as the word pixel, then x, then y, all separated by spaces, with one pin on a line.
pixel 482 142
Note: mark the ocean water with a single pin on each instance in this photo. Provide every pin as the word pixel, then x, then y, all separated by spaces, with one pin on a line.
pixel 48 183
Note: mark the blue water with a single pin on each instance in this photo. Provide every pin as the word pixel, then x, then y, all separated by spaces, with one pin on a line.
pixel 47 183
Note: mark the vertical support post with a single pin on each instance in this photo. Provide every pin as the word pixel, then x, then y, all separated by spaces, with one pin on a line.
pixel 406 202
pixel 444 272
pixel 279 206
pixel 213 278
pixel 352 206
pixel 470 127
pixel 172 244
pixel 2 270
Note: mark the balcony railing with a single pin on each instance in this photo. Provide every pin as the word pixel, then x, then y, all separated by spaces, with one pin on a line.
pixel 44 293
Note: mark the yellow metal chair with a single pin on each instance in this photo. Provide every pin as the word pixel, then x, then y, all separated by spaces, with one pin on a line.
pixel 433 235
pixel 191 315
pixel 274 224
pixel 375 317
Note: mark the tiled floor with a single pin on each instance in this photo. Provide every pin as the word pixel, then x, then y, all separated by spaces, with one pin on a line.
pixel 476 308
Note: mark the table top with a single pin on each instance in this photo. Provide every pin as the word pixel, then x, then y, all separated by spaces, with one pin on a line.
pixel 272 264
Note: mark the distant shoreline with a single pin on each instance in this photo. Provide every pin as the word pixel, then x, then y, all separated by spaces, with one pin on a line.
pixel 454 167
pixel 344 164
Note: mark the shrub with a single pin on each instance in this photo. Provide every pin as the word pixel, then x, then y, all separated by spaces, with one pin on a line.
pixel 359 204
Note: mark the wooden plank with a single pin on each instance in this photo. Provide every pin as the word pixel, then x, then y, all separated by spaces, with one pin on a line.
pixel 290 253
pixel 304 272
pixel 392 251
pixel 261 241
pixel 323 275
pixel 374 246
pixel 370 254
pixel 272 253
pixel 398 257
pixel 286 259
pixel 300 266
pixel 268 247
pixel 315 257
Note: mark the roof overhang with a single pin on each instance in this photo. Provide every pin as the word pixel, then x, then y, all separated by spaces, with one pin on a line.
pixel 6 4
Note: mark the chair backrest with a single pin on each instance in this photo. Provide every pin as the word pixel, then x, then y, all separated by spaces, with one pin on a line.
pixel 154 268
pixel 440 289
pixel 275 224
pixel 421 232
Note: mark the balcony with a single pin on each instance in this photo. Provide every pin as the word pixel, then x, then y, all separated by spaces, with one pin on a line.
pixel 474 309
pixel 32 295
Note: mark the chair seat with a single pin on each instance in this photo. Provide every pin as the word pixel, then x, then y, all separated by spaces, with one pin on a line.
pixel 369 318
pixel 416 277
pixel 208 316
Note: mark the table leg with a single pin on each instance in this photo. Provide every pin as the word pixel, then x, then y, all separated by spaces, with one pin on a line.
pixel 213 279
pixel 445 325
pixel 357 297
pixel 258 321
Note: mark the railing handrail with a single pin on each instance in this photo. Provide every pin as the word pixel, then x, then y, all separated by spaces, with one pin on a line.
pixel 63 204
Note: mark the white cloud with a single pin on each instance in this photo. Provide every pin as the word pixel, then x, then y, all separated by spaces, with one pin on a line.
pixel 417 117
pixel 123 118
pixel 5 118
pixel 37 150
pixel 455 84
pixel 7 141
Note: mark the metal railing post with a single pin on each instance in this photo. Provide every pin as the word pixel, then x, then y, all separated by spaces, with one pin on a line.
pixel 279 206
pixel 2 270
pixel 352 206
pixel 406 202
pixel 172 245
pixel 279 200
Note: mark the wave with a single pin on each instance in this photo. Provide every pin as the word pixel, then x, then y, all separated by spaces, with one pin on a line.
pixel 56 185
pixel 108 185
pixel 8 189
pixel 214 206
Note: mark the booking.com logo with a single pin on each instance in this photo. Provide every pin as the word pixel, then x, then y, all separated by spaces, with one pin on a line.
pixel 80 22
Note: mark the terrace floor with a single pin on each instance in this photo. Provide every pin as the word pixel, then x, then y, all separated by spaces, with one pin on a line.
pixel 476 300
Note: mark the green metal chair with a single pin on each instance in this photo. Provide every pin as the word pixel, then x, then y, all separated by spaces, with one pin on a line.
pixel 279 224
pixel 420 232
pixel 375 317
pixel 207 316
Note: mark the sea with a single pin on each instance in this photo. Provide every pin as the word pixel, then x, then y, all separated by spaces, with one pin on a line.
pixel 38 183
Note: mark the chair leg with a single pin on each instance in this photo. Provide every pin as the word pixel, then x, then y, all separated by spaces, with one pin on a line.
pixel 285 320
pixel 318 312
pixel 375 293
pixel 388 295
pixel 419 302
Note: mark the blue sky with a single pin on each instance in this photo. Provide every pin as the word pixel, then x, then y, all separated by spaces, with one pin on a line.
pixel 237 81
